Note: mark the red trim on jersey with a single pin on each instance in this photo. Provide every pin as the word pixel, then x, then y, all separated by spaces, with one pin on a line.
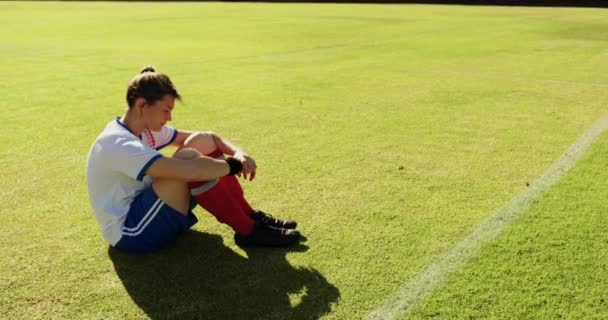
pixel 150 138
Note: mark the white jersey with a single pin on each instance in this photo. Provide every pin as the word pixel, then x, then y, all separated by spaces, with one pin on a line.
pixel 116 167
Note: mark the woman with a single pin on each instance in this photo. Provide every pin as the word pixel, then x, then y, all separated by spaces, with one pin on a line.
pixel 143 200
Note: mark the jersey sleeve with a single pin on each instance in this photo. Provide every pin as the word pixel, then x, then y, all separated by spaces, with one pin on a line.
pixel 164 137
pixel 129 156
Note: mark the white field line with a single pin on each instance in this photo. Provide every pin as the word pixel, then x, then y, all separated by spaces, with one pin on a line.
pixel 407 298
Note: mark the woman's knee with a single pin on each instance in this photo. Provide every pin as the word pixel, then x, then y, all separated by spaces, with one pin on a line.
pixel 201 141
pixel 187 154
pixel 174 193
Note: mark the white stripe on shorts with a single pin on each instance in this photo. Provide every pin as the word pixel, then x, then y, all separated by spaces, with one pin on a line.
pixel 145 220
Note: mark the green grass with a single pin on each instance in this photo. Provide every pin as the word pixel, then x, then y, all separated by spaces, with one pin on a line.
pixel 549 265
pixel 389 132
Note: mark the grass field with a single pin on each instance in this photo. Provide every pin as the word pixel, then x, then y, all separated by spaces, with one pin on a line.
pixel 389 132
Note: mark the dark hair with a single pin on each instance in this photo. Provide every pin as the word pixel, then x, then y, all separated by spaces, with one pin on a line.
pixel 150 85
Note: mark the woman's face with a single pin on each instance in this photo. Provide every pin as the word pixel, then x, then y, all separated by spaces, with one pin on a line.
pixel 157 114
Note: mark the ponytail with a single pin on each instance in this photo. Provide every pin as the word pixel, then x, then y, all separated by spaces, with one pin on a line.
pixel 151 86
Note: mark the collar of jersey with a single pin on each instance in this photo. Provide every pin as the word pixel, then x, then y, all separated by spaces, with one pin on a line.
pixel 124 126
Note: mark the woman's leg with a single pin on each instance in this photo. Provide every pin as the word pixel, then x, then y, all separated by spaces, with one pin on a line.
pixel 205 144
pixel 232 193
pixel 215 196
pixel 224 199
pixel 176 193
pixel 159 214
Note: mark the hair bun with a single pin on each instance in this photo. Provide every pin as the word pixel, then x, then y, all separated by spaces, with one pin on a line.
pixel 148 68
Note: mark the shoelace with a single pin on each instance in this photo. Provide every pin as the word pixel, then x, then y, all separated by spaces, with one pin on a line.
pixel 267 216
pixel 280 231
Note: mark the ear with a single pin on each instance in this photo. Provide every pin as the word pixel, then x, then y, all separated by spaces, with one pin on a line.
pixel 140 103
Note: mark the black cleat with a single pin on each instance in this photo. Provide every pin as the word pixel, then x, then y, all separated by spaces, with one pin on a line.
pixel 266 236
pixel 270 221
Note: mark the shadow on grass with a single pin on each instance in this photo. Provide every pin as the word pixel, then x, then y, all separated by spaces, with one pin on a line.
pixel 201 278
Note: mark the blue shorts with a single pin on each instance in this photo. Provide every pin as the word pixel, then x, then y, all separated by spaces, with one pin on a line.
pixel 152 224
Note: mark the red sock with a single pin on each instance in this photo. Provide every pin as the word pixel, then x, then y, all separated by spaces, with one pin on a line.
pixel 219 201
pixel 232 184
pixel 222 202
pixel 217 154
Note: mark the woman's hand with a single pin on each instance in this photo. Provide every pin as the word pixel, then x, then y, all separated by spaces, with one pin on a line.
pixel 249 166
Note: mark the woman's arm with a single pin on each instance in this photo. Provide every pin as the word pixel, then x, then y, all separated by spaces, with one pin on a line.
pixel 249 165
pixel 197 169
pixel 226 147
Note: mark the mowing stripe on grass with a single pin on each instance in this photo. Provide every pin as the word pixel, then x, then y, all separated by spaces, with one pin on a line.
pixel 516 78
pixel 406 299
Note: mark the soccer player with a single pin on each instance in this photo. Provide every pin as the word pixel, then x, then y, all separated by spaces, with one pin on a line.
pixel 144 200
